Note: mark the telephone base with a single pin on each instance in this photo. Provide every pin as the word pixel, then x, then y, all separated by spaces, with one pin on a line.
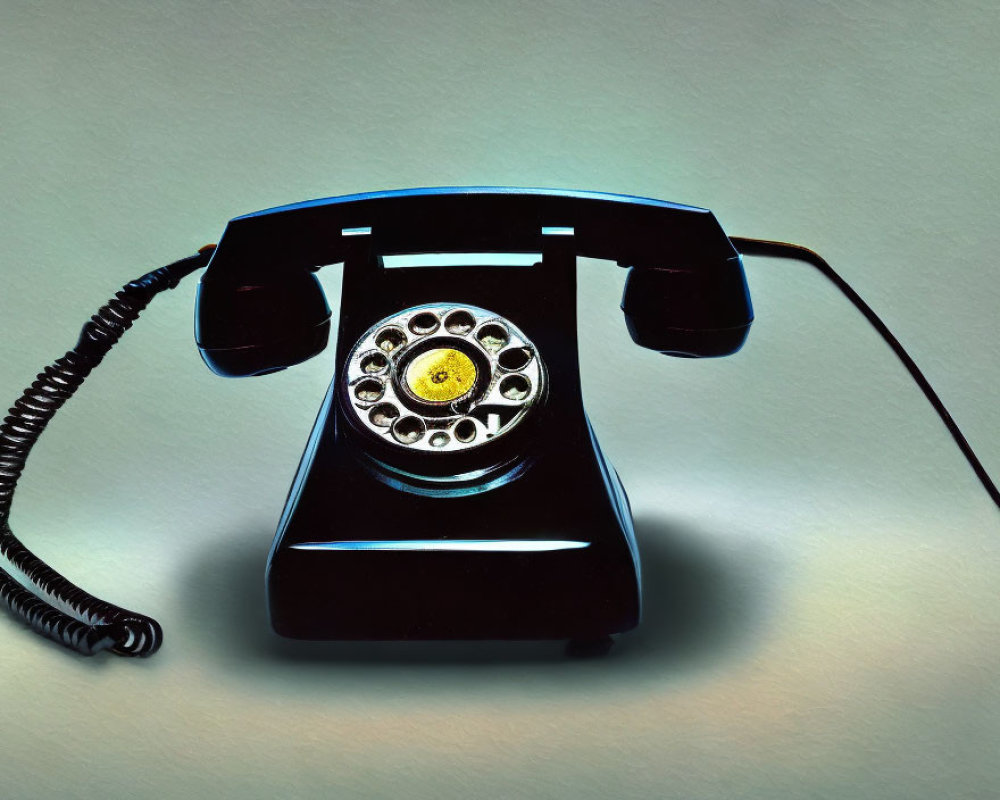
pixel 544 551
pixel 415 594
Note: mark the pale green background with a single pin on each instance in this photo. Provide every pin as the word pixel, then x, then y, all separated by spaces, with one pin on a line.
pixel 822 567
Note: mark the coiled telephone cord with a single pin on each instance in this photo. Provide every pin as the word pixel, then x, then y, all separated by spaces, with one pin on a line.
pixel 84 623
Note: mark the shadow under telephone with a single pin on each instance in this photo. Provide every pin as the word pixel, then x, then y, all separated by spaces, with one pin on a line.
pixel 452 486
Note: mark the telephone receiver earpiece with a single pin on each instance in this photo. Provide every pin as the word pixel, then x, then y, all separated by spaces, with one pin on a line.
pixel 699 312
pixel 248 325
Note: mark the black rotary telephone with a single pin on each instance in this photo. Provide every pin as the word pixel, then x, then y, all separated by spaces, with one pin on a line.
pixel 452 486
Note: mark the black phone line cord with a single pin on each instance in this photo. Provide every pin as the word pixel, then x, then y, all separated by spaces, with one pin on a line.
pixel 85 623
pixel 762 247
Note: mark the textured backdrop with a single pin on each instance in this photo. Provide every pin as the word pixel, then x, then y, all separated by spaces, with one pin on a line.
pixel 820 564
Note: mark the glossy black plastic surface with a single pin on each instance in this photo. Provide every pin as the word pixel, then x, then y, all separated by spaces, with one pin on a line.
pixel 247 325
pixel 545 482
pixel 694 312
pixel 632 231
pixel 259 309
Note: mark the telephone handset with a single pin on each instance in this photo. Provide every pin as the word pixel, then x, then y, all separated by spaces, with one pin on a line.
pixel 452 486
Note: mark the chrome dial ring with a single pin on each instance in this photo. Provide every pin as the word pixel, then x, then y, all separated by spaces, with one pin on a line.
pixel 443 377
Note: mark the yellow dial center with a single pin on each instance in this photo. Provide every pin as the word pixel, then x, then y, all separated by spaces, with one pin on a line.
pixel 440 375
